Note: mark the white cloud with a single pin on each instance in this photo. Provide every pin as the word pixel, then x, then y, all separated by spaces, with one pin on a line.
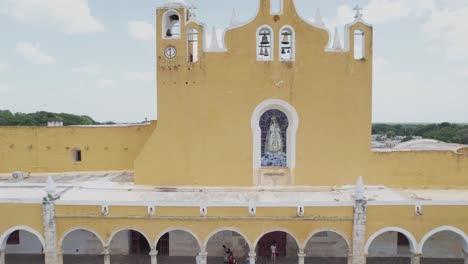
pixel 69 16
pixel 138 76
pixel 33 53
pixel 142 30
pixel 88 68
pixel 449 27
pixel 382 11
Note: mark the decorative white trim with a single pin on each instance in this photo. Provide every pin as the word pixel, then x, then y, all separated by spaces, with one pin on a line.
pixel 277 230
pixel 409 236
pixel 272 43
pixel 346 32
pixel 281 7
pixel 293 119
pixel 60 245
pixel 115 232
pixel 6 234
pixel 168 230
pixel 293 43
pixel 164 29
pixel 442 229
pixel 246 238
pixel 327 230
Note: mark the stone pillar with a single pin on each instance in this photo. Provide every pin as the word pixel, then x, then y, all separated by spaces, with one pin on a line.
pixel 60 257
pixel 203 257
pixel 466 256
pixel 415 258
pixel 2 256
pixel 359 232
pixel 154 256
pixel 50 232
pixel 300 256
pixel 350 257
pixel 106 254
pixel 252 256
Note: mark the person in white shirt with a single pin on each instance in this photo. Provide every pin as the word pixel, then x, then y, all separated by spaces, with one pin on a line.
pixel 273 252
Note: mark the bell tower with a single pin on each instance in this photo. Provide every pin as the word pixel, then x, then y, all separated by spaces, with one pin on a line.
pixel 171 30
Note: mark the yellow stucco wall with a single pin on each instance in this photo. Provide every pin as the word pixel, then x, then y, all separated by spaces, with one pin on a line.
pixel 48 149
pixel 85 217
pixel 14 215
pixel 379 217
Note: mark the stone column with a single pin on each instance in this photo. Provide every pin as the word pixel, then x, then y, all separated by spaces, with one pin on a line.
pixel 252 256
pixel 203 257
pixel 154 256
pixel 50 232
pixel 350 257
pixel 415 258
pixel 300 256
pixel 359 232
pixel 60 257
pixel 2 256
pixel 106 254
pixel 465 252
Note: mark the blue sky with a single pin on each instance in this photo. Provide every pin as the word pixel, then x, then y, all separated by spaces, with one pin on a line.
pixel 96 57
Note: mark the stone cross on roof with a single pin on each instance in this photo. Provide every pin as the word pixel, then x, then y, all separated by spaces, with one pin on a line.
pixel 358 10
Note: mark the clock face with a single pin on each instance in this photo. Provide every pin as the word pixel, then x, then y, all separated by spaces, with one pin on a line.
pixel 170 52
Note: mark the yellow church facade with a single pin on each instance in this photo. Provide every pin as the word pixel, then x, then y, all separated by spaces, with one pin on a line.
pixel 262 139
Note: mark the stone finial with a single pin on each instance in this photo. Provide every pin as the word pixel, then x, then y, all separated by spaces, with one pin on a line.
pixel 318 18
pixel 50 186
pixel 234 20
pixel 359 189
pixel 337 40
pixel 358 14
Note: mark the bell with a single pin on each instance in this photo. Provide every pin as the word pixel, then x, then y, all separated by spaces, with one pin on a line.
pixel 266 53
pixel 285 39
pixel 261 52
pixel 289 51
pixel 283 51
pixel 265 40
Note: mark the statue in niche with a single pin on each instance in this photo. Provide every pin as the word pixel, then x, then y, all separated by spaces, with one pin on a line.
pixel 274 154
pixel 274 140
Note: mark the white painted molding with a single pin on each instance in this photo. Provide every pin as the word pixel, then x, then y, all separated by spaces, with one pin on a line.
pixel 272 42
pixel 68 232
pixel 168 230
pixel 342 235
pixel 293 120
pixel 246 238
pixel 277 230
pixel 292 40
pixel 412 240
pixel 164 29
pixel 115 232
pixel 6 234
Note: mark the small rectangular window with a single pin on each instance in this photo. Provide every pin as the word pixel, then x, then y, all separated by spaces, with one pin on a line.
pixel 276 6
pixel 359 45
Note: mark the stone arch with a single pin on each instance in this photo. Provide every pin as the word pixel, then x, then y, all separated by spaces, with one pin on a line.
pixel 6 234
pixel 115 232
pixel 277 230
pixel 246 238
pixel 442 229
pixel 60 245
pixel 166 19
pixel 265 31
pixel 197 238
pixel 409 236
pixel 293 120
pixel 327 230
pixel 292 39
